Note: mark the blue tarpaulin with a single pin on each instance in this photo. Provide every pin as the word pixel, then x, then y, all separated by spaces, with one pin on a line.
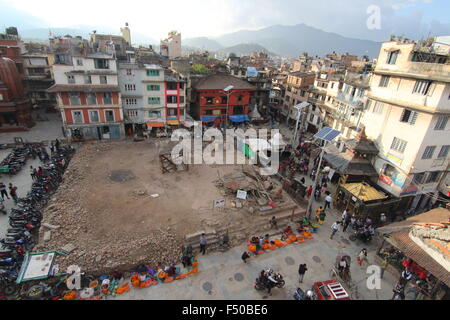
pixel 239 118
pixel 251 72
pixel 208 118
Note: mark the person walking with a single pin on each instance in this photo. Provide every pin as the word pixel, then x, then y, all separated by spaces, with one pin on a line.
pixel 344 215
pixel 346 222
pixel 384 265
pixel 273 223
pixel 245 256
pixel 32 173
pixel 301 271
pixel 3 192
pixel 13 192
pixel 52 148
pixel 383 220
pixel 362 256
pixel 203 242
pixel 322 216
pixel 57 144
pixel 328 200
pixel 334 228
pixel 309 191
pixel 318 212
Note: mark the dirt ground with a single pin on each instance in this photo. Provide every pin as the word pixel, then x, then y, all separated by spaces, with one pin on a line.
pixel 105 209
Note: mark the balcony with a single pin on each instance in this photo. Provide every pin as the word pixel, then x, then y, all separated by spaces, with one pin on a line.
pixel 419 70
pixel 354 101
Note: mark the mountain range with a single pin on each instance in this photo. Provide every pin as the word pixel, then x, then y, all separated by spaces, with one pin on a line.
pixel 289 41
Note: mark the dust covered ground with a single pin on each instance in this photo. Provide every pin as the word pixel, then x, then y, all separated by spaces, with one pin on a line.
pixel 105 210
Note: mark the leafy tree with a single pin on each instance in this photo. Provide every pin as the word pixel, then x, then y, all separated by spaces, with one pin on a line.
pixel 199 68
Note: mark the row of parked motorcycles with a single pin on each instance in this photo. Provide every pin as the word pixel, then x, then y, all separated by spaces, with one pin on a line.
pixel 17 158
pixel 25 220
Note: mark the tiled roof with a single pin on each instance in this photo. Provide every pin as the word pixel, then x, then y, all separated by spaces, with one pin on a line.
pixel 403 242
pixel 221 81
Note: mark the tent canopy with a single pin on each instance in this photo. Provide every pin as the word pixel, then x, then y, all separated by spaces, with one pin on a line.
pixel 239 118
pixel 363 191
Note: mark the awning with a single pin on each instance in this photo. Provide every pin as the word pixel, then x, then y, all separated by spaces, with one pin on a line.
pixel 155 124
pixel 173 122
pixel 208 118
pixel 239 118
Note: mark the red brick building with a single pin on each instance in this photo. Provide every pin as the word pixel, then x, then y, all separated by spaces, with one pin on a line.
pixel 211 99
pixel 15 106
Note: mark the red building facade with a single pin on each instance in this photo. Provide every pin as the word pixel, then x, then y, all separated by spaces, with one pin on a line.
pixel 15 106
pixel 212 100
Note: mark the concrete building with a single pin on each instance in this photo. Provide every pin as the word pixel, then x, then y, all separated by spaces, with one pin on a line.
pixel 407 116
pixel 349 105
pixel 126 34
pixel 38 78
pixel 88 94
pixel 297 84
pixel 171 47
pixel 152 97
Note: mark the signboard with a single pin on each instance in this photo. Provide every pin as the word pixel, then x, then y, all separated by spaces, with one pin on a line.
pixel 217 112
pixel 36 266
pixel 241 194
pixel 219 203
pixel 394 159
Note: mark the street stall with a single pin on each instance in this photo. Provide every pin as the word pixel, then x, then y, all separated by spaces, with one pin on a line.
pixel 420 245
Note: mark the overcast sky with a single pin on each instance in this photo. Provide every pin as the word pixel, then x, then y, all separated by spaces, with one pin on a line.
pixel 193 18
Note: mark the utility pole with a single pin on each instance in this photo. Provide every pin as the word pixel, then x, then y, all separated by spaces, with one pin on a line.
pixel 308 210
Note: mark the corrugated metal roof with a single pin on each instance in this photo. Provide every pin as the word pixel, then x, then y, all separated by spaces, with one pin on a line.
pixel 363 191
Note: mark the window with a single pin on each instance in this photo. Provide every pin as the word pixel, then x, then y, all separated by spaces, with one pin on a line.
pixel 240 97
pixel 441 123
pixel 172 99
pixel 153 73
pixel 209 100
pixel 74 99
pixel 172 112
pixel 398 145
pixel 71 79
pixel 101 63
pixel 428 153
pixel 171 85
pixel 422 87
pixel 153 87
pixel 378 107
pixel 109 115
pixel 130 87
pixel 224 99
pixel 79 62
pixel 103 80
pixel 154 114
pixel 132 113
pixel 181 111
pixel 77 117
pixel 129 72
pixel 154 100
pixel 91 98
pixel 87 80
pixel 93 116
pixel 418 177
pixel 181 99
pixel 181 85
pixel 107 98
pixel 392 57
pixel 409 116
pixel 130 101
pixel 238 110
pixel 444 152
pixel 433 176
pixel 384 81
pixel 208 112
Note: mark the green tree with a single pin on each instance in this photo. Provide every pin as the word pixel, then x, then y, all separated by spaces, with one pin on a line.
pixel 199 68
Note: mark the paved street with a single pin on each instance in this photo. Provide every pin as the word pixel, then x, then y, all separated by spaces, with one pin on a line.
pixel 225 276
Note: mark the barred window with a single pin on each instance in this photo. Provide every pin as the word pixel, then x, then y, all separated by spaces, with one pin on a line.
pixel 398 145
pixel 428 153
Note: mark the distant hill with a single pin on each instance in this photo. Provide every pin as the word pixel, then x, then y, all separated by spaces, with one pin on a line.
pixel 293 40
pixel 202 43
pixel 244 49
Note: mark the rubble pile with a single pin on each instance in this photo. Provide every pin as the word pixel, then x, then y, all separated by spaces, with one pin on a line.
pixel 66 223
